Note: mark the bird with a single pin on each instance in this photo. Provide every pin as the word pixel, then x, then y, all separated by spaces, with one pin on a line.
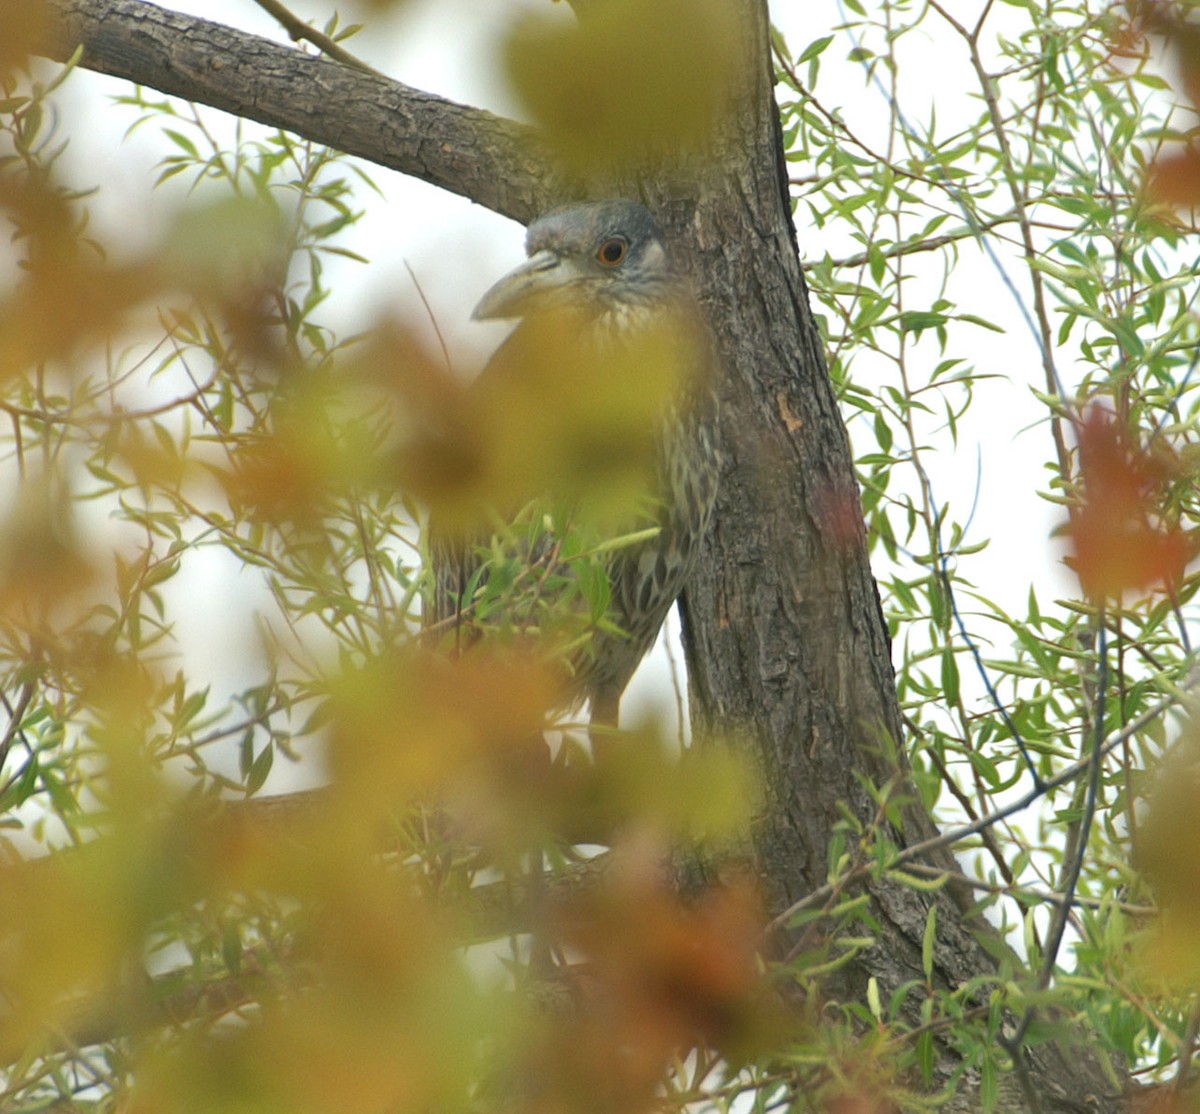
pixel 600 297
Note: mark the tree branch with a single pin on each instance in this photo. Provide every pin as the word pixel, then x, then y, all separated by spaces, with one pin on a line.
pixel 476 154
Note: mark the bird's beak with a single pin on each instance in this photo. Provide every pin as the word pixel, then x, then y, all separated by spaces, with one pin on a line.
pixel 535 282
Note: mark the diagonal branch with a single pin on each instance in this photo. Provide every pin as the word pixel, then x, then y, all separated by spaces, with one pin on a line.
pixel 481 156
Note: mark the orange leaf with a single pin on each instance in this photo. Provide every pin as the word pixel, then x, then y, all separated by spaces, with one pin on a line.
pixel 1174 178
pixel 1121 539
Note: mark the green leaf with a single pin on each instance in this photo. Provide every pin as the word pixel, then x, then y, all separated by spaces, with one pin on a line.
pixel 928 941
pixel 973 319
pixel 924 1051
pixel 817 46
pixel 989 1087
pixel 19 789
pixel 873 1002
pixel 883 432
pixel 192 706
pixel 260 769
pixel 916 321
pixel 182 142
pixel 949 676
pixel 160 572
pixel 176 167
pixel 246 753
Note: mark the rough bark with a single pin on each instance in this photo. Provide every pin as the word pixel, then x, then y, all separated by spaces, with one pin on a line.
pixel 786 641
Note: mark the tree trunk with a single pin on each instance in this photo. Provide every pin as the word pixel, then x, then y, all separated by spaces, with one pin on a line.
pixel 787 645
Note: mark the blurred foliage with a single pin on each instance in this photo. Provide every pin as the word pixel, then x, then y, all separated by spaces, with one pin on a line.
pixel 390 942
pixel 379 935
pixel 1173 175
pixel 524 430
pixel 629 82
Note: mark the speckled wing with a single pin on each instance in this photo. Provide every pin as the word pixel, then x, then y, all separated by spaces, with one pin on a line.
pixel 662 351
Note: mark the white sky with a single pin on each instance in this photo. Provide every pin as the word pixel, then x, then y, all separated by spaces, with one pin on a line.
pixel 446 47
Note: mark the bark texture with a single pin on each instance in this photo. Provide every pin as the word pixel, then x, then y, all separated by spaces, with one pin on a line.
pixel 786 641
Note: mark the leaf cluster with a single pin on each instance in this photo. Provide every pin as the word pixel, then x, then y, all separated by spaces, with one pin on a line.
pixel 1022 213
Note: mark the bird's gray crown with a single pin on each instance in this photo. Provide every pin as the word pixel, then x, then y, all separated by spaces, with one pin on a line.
pixel 577 228
pixel 600 257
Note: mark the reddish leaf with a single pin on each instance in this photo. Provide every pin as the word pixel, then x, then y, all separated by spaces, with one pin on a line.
pixel 1121 536
pixel 657 975
pixel 1174 178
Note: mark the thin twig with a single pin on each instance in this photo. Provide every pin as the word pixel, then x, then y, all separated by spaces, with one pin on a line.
pixel 298 30
pixel 1014 890
pixel 1187 1049
pixel 1043 331
pixel 437 332
pixel 965 831
pixel 1058 923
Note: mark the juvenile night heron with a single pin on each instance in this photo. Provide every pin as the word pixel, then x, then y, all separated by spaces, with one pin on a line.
pixel 600 281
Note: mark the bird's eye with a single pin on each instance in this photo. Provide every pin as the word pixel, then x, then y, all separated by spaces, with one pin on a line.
pixel 613 251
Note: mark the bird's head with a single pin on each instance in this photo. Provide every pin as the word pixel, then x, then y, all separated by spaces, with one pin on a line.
pixel 600 258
